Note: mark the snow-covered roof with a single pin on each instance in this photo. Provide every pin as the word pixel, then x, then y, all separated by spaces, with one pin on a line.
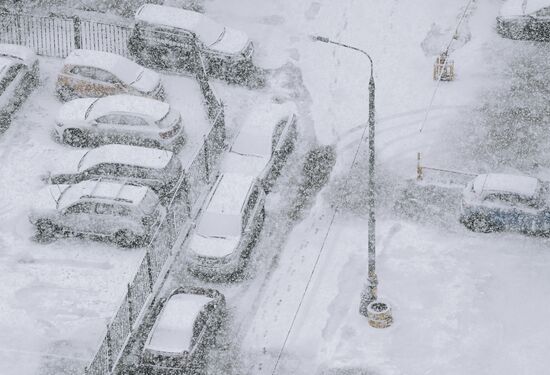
pixel 25 54
pixel 125 69
pixel 230 194
pixel 206 29
pixel 143 106
pixel 173 329
pixel 124 154
pixel 499 182
pixel 101 189
pixel 522 7
pixel 244 164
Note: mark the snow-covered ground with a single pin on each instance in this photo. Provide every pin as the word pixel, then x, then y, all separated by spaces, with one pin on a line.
pixel 463 302
pixel 58 297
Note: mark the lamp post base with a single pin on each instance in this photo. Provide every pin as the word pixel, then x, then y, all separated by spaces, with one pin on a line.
pixel 379 314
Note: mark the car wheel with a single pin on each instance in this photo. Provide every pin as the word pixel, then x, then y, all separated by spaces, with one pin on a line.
pixel 124 238
pixel 74 137
pixel 65 94
pixel 482 224
pixel 5 119
pixel 46 229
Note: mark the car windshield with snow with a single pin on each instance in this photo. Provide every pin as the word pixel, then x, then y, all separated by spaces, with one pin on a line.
pixel 525 19
pixel 228 227
pixel 125 213
pixel 19 74
pixel 184 327
pixel 123 119
pixel 263 143
pixel 494 202
pixel 87 73
pixel 170 37
pixel 159 169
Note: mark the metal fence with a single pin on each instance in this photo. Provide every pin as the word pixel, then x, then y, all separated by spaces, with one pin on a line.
pixel 57 35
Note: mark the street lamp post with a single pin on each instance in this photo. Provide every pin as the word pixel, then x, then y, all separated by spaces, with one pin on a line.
pixel 369 292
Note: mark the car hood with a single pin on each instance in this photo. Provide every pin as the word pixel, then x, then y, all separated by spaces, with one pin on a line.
pixel 148 81
pixel 66 162
pixel 74 110
pixel 47 197
pixel 233 42
pixel 213 247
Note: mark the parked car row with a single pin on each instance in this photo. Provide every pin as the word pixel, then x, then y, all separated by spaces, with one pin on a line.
pixel 117 189
pixel 231 221
pixel 184 326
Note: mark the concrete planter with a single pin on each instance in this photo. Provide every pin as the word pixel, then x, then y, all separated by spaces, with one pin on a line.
pixel 379 314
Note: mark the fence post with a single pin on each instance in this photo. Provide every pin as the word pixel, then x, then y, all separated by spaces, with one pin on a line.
pixel 206 160
pixel 109 348
pixel 130 308
pixel 419 170
pixel 77 32
pixel 149 271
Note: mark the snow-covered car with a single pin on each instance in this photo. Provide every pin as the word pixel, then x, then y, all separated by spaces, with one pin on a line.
pixel 158 169
pixel 126 119
pixel 185 327
pixel 263 144
pixel 525 19
pixel 171 37
pixel 127 214
pixel 495 202
pixel 88 73
pixel 19 74
pixel 228 226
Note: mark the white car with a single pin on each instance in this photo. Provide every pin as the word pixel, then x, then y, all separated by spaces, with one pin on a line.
pixel 525 19
pixel 87 73
pixel 263 143
pixel 19 74
pixel 495 201
pixel 172 35
pixel 185 329
pixel 228 226
pixel 123 119
pixel 127 214
pixel 160 170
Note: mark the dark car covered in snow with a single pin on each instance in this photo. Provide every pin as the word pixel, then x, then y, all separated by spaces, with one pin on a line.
pixel 19 74
pixel 172 37
pixel 525 19
pixel 494 202
pixel 185 327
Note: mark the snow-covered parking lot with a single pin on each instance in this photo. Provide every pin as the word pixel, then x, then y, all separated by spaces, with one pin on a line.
pixel 57 297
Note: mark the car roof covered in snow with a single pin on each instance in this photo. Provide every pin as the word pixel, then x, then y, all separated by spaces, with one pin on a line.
pixel 22 53
pixel 125 154
pixel 173 328
pixel 109 190
pixel 256 134
pixel 206 29
pixel 506 183
pixel 522 7
pixel 230 193
pixel 125 69
pixel 139 105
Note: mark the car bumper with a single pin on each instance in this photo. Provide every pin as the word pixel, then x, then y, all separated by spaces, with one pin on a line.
pixel 212 267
